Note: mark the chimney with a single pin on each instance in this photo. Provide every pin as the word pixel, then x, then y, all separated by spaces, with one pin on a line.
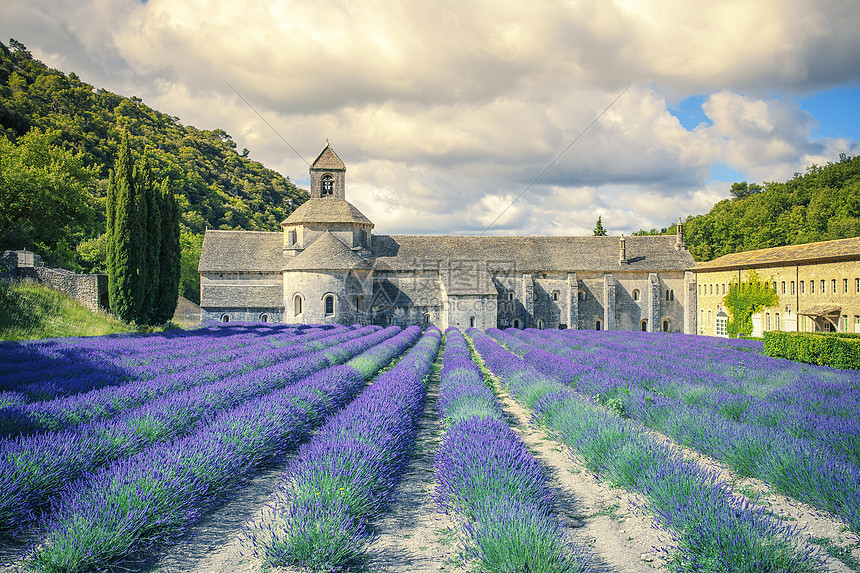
pixel 679 236
pixel 622 255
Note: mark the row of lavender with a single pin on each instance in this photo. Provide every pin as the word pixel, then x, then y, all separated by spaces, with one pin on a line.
pixel 146 499
pixel 717 529
pixel 819 464
pixel 488 479
pixel 34 469
pixel 714 371
pixel 182 374
pixel 346 475
pixel 44 370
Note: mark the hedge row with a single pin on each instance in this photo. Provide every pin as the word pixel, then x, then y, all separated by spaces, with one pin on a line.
pixel 836 351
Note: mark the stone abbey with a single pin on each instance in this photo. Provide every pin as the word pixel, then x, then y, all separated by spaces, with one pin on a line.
pixel 327 266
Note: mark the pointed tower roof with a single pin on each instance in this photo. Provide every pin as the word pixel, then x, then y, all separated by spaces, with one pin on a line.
pixel 327 253
pixel 327 159
pixel 326 211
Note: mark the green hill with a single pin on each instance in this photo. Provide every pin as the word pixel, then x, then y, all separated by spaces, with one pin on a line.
pixel 819 205
pixel 29 310
pixel 217 186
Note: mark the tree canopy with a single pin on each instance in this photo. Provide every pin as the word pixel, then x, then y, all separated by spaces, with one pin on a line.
pixel 216 186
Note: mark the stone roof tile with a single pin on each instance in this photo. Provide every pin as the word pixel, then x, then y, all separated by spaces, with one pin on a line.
pixel 327 252
pixel 251 296
pixel 327 159
pixel 531 254
pixel 326 210
pixel 241 251
pixel 790 254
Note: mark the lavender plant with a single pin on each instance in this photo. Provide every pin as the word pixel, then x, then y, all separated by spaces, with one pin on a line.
pixel 809 455
pixel 488 479
pixel 34 468
pixel 718 530
pixel 147 499
pixel 346 475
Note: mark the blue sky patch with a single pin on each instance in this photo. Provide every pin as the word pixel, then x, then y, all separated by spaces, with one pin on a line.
pixel 837 112
pixel 689 112
pixel 722 172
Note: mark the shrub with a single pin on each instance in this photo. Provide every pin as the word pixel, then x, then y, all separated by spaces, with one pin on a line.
pixel 824 350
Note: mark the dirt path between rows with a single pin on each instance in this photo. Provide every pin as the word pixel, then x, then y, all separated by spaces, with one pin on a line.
pixel 214 544
pixel 413 535
pixel 607 521
pixel 815 528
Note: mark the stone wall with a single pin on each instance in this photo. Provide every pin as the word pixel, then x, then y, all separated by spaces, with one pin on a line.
pixel 90 290
pixel 799 288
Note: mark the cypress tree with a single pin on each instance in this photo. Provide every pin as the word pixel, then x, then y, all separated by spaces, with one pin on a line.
pixel 122 227
pixel 150 239
pixel 138 257
pixel 170 261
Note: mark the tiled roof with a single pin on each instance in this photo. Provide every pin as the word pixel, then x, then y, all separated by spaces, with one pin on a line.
pixel 536 254
pixel 327 252
pixel 251 296
pixel 246 251
pixel 326 210
pixel 241 251
pixel 327 159
pixel 809 252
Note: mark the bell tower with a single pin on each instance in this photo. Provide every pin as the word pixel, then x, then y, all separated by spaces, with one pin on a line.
pixel 328 175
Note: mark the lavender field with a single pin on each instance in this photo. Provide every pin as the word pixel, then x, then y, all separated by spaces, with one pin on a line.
pixel 112 449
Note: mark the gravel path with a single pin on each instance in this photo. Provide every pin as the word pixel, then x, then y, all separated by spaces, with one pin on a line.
pixel 605 520
pixel 413 535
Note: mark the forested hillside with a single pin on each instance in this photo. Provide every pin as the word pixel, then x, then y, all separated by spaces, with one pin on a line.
pixel 75 125
pixel 819 205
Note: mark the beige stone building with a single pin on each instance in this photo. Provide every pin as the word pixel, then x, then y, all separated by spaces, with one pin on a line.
pixel 328 266
pixel 818 285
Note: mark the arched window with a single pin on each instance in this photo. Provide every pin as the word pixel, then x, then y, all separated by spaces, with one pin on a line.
pixel 722 324
pixel 516 323
pixel 511 295
pixel 471 322
pixel 597 325
pixel 644 325
pixel 776 317
pixel 636 294
pixel 359 302
pixel 390 319
pixel 555 294
pixel 582 295
pixel 327 185
pixel 225 317
pixel 328 302
pixel 297 303
pixel 426 320
pixel 666 325
pixel 540 324
pixel 264 317
pixel 672 294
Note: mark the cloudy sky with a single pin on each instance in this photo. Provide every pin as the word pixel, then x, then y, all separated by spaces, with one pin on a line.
pixel 639 111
